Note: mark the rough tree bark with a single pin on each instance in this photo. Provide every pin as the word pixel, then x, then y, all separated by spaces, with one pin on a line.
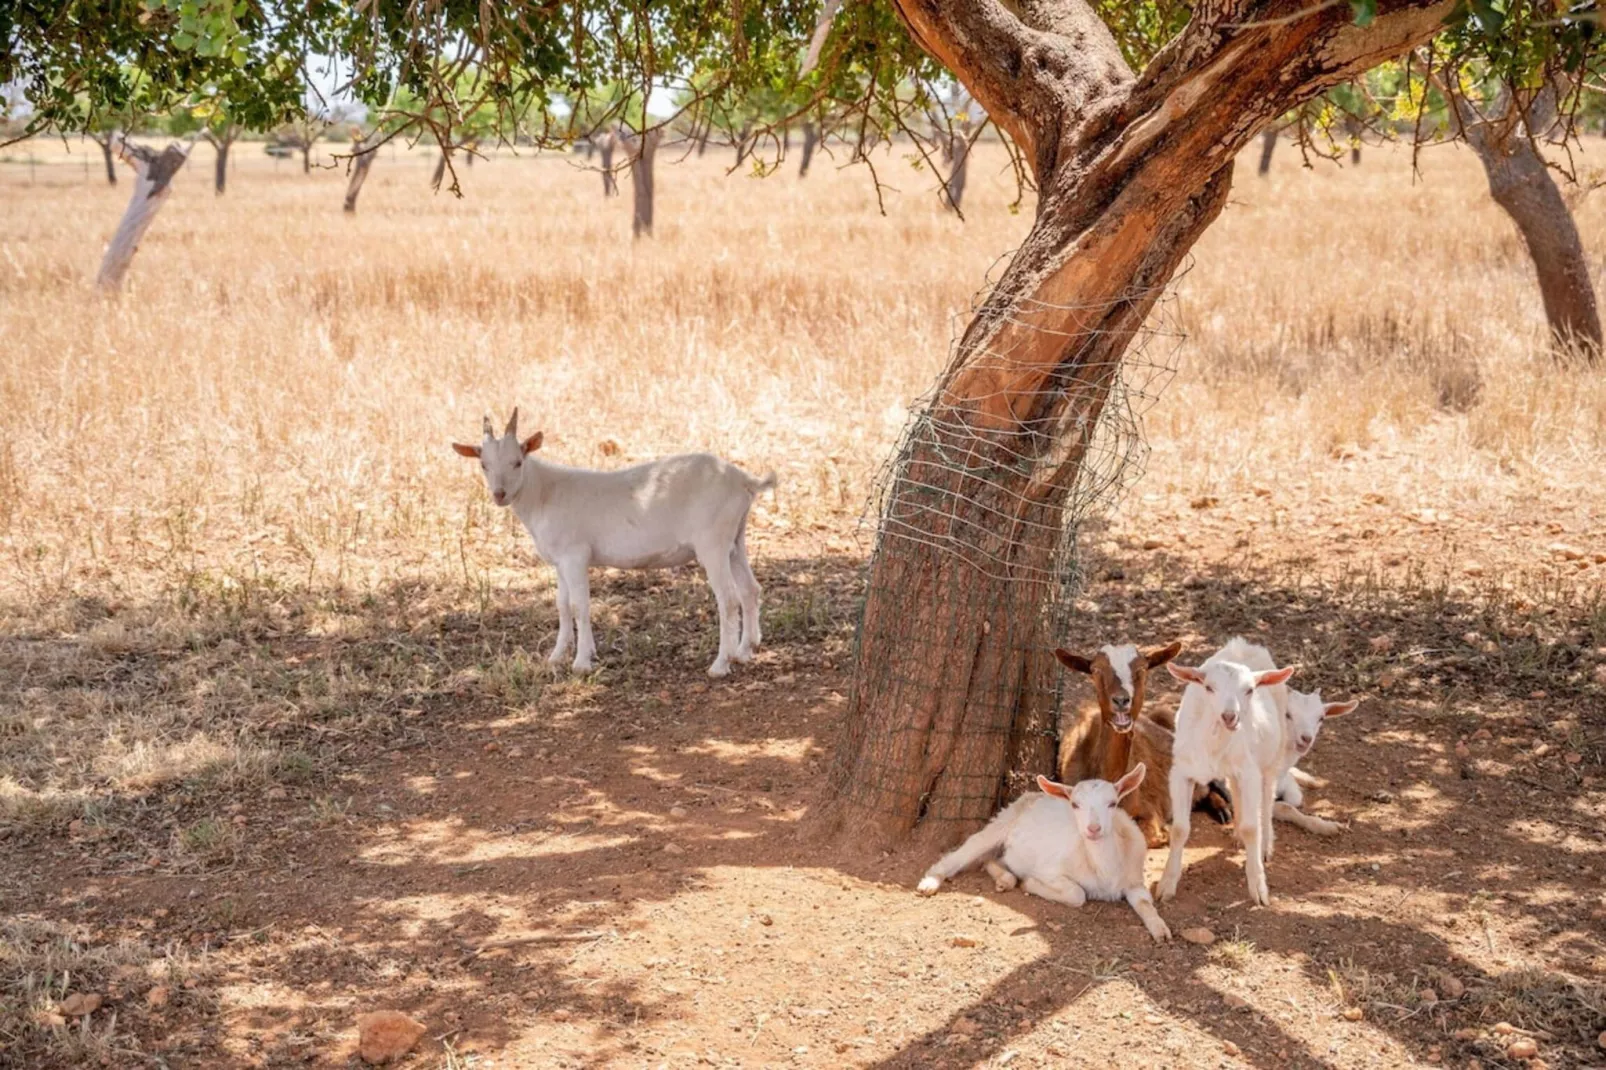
pixel 440 171
pixel 952 682
pixel 641 151
pixel 811 138
pixel 1268 144
pixel 1352 130
pixel 744 143
pixel 1520 183
pixel 107 142
pixel 362 160
pixel 153 182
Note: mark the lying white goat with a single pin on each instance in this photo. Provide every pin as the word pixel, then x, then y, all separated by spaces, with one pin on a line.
pixel 1303 716
pixel 1228 725
pixel 1065 844
pixel 660 514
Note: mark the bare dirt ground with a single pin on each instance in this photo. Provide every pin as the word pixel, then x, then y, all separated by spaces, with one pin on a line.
pixel 618 872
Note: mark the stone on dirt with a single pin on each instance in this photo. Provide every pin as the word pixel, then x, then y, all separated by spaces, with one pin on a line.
pixel 1523 1048
pixel 1201 936
pixel 80 1003
pixel 386 1035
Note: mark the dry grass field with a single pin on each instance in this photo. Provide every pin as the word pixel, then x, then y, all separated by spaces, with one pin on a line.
pixel 278 744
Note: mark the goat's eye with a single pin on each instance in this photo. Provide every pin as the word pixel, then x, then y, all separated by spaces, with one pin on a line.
pixel 518 464
pixel 1076 806
pixel 1211 688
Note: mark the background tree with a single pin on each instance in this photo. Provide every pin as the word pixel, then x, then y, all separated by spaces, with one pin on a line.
pixel 153 184
pixel 1126 119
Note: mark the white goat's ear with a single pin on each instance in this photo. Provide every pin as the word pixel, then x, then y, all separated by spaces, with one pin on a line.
pixel 466 451
pixel 1074 662
pixel 1049 787
pixel 1129 783
pixel 1186 673
pixel 1272 677
pixel 1339 709
pixel 531 444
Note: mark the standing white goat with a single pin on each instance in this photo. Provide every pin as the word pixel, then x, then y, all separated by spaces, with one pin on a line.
pixel 661 514
pixel 1303 714
pixel 1228 724
pixel 1065 844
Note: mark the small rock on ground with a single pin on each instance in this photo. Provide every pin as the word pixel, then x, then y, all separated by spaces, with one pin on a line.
pixel 1202 937
pixel 386 1035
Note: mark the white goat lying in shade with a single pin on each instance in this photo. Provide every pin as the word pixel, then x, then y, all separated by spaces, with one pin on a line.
pixel 1065 844
pixel 661 514
pixel 1228 725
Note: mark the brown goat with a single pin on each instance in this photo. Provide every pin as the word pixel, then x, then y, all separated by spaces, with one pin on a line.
pixel 1109 738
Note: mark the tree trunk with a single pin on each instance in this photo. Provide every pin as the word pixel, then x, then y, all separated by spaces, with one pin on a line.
pixel 440 171
pixel 956 154
pixel 220 166
pixel 153 183
pixel 642 151
pixel 955 697
pixel 811 137
pixel 606 145
pixel 1268 143
pixel 743 143
pixel 1521 184
pixel 702 138
pixel 306 156
pixel 106 151
pixel 362 160
pixel 1353 128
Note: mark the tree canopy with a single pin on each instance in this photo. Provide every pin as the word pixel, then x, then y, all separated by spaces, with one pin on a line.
pixel 533 64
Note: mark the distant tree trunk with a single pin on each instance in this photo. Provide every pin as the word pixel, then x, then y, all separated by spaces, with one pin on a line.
pixel 743 144
pixel 811 137
pixel 1520 183
pixel 153 182
pixel 606 144
pixel 440 171
pixel 220 168
pixel 105 142
pixel 642 150
pixel 702 137
pixel 1353 128
pixel 362 159
pixel 306 156
pixel 1268 143
pixel 956 154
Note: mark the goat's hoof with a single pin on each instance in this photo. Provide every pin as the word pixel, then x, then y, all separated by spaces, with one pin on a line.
pixel 582 666
pixel 1005 883
pixel 743 656
pixel 719 669
pixel 928 886
pixel 1165 894
pixel 1161 933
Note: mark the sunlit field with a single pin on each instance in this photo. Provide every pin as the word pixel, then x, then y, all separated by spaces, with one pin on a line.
pixel 276 735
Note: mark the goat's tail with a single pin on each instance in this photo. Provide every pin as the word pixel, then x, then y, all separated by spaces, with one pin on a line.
pixel 759 486
pixel 983 844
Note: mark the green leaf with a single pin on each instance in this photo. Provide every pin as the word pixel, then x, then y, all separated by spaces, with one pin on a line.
pixel 184 40
pixel 1365 11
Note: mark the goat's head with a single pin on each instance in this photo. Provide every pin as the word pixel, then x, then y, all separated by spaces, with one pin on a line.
pixel 1120 676
pixel 1094 802
pixel 1229 687
pixel 1306 712
pixel 502 459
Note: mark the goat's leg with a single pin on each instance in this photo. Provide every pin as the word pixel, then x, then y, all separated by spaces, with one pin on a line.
pixel 747 590
pixel 1181 825
pixel 1268 802
pixel 1061 891
pixel 580 603
pixel 717 567
pixel 1248 820
pixel 1003 879
pixel 1316 826
pixel 1139 899
pixel 565 622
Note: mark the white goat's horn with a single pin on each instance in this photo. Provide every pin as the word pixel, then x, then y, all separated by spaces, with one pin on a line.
pixel 486 423
pixel 513 423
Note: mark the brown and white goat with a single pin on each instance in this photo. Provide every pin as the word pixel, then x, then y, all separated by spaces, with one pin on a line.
pixel 1109 738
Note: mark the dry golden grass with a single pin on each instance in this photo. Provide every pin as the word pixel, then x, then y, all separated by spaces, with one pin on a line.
pixel 264 416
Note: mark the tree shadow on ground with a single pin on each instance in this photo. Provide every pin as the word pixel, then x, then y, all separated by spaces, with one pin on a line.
pixel 482 843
